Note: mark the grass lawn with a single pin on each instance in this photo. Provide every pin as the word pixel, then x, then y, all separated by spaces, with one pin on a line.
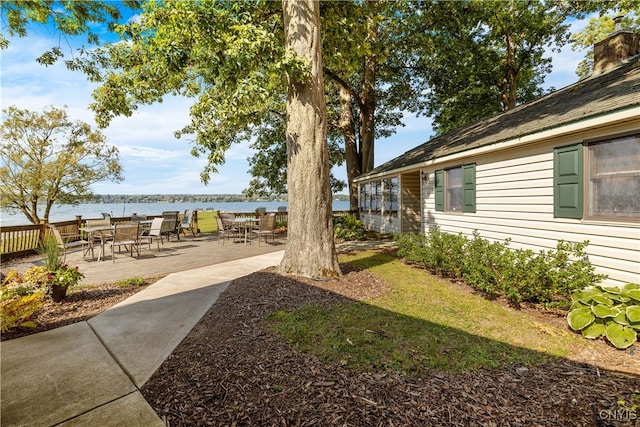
pixel 422 323
pixel 207 221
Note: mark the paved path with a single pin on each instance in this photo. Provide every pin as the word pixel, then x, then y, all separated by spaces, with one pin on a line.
pixel 90 373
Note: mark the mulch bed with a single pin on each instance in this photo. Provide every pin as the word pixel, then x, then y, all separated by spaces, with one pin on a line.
pixel 80 304
pixel 232 371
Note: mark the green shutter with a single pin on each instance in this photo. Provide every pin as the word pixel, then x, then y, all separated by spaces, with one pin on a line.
pixel 469 188
pixel 439 190
pixel 567 182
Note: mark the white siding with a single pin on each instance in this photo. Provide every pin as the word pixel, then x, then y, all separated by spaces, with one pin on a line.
pixel 381 223
pixel 514 199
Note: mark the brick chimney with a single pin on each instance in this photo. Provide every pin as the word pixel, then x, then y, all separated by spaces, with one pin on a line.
pixel 618 46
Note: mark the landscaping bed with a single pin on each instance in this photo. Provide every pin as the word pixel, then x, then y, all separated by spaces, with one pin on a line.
pixel 233 370
pixel 81 303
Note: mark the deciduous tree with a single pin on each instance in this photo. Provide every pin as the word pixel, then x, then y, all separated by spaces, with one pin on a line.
pixel 310 247
pixel 46 158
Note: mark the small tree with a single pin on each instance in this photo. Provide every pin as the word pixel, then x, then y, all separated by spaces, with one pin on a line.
pixel 46 158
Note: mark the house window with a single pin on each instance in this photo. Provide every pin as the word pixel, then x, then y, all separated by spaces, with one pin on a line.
pixel 365 197
pixel 380 196
pixel 377 206
pixel 455 189
pixel 390 196
pixel 613 184
pixel 453 186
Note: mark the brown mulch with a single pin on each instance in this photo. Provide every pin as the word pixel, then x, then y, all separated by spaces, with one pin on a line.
pixel 81 303
pixel 232 371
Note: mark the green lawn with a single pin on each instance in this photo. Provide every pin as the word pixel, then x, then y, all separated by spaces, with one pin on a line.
pixel 207 221
pixel 423 323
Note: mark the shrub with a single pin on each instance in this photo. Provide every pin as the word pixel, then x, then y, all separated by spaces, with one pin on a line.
pixel 20 299
pixel 347 227
pixel 50 252
pixel 607 311
pixel 492 267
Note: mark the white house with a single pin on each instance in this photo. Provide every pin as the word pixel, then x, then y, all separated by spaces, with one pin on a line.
pixel 563 167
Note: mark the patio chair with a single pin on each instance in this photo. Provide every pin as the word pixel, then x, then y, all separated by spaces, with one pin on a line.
pixel 138 217
pixel 155 232
pixel 187 222
pixel 170 224
pixel 266 227
pixel 68 242
pixel 223 231
pixel 126 234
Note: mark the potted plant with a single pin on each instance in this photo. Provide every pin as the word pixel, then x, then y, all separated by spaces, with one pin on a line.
pixel 61 278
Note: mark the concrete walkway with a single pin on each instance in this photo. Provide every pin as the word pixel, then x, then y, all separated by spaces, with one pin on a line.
pixel 90 373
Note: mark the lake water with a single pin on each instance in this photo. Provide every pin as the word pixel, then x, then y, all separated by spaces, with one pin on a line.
pixel 94 210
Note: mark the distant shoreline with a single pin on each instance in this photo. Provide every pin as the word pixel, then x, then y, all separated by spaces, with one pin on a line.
pixel 149 207
pixel 190 198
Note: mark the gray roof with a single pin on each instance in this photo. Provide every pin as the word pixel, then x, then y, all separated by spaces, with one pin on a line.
pixel 615 90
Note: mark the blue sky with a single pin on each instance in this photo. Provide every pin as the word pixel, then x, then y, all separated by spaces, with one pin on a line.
pixel 154 161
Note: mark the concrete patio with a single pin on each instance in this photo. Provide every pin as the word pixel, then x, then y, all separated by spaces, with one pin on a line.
pixel 173 256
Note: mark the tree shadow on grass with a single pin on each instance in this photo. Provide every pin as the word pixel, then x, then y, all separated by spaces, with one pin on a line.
pixel 277 350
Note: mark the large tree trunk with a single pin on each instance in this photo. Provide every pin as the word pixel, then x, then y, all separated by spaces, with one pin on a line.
pixel 368 107
pixel 310 250
pixel 351 155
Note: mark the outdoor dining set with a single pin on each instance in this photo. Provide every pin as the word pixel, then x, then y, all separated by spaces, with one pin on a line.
pixel 138 231
pixel 243 228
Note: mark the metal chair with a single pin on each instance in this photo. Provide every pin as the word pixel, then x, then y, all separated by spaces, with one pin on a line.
pixel 155 232
pixel 68 242
pixel 223 231
pixel 187 222
pixel 170 224
pixel 266 227
pixel 126 234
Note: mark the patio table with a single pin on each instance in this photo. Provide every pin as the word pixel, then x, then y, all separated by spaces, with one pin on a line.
pixel 103 231
pixel 246 224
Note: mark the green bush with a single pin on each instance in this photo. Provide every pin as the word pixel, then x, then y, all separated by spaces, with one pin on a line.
pixel 347 227
pixel 607 311
pixel 492 267
pixel 20 298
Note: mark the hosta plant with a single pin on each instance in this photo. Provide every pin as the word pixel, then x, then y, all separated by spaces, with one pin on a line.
pixel 607 311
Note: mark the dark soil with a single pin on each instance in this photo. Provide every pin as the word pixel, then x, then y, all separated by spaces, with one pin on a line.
pixel 232 371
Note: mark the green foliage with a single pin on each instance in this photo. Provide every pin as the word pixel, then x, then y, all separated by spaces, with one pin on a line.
pixel 492 267
pixel 38 275
pixel 65 275
pixel 45 158
pixel 132 281
pixel 347 227
pixel 20 297
pixel 607 311
pixel 480 57
pixel 420 324
pixel 599 27
pixel 75 18
pixel 50 252
pixel 16 312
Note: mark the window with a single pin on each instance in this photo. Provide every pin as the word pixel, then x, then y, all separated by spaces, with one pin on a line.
pixel 613 185
pixel 380 196
pixel 365 197
pixel 390 196
pixel 455 189
pixel 378 187
pixel 609 179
